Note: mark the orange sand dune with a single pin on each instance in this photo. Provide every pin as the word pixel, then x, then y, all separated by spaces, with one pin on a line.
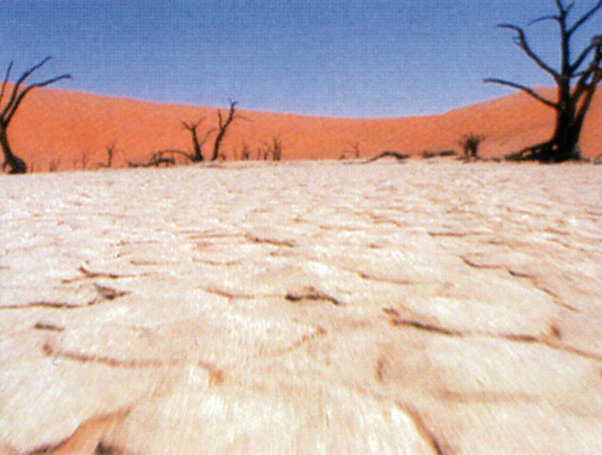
pixel 74 127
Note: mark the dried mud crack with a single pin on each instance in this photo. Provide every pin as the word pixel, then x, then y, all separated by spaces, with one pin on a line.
pixel 51 351
pixel 552 340
pixel 311 293
pixel 48 326
pixel 88 274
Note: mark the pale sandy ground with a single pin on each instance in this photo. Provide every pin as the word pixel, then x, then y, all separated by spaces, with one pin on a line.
pixel 430 307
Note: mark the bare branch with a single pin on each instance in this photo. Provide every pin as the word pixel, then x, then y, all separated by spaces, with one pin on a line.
pixel 530 152
pixel 570 7
pixel 587 16
pixel 161 157
pixel 589 95
pixel 31 70
pixel 176 152
pixel 17 85
pixel 6 78
pixel 192 125
pixel 560 6
pixel 17 95
pixel 223 126
pixel 525 89
pixel 584 84
pixel 8 113
pixel 206 136
pixel 197 156
pixel 545 18
pixel 564 10
pixel 579 61
pixel 521 41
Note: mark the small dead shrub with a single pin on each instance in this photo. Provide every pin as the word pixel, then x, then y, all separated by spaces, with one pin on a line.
pixel 272 149
pixel 470 145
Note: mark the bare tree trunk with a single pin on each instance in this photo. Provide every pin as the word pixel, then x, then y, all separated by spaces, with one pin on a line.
pixel 197 146
pixel 222 128
pixel 15 164
pixel 565 141
pixel 198 154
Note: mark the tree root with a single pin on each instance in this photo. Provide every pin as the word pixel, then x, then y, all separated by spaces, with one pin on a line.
pixel 544 152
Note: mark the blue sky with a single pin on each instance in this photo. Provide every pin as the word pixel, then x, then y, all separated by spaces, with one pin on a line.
pixel 344 58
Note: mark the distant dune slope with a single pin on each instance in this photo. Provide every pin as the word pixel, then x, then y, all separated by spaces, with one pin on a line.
pixel 63 125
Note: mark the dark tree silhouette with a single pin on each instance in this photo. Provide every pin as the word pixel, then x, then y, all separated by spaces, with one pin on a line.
pixel 7 111
pixel 470 145
pixel 197 153
pixel 167 156
pixel 355 148
pixel 576 80
pixel 273 149
pixel 223 127
pixel 245 153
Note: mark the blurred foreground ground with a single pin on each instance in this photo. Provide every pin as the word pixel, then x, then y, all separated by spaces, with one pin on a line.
pixel 303 307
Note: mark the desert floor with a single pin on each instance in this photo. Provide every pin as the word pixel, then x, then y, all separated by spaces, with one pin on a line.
pixel 302 307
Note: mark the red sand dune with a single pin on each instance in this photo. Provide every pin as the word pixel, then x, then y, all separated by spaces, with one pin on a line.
pixel 58 124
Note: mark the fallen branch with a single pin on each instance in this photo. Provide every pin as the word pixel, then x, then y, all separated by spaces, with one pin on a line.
pixel 399 156
pixel 159 158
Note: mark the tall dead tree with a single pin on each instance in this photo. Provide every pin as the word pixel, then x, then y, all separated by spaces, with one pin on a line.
pixel 576 81
pixel 18 93
pixel 223 127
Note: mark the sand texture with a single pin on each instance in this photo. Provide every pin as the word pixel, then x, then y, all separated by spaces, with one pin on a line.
pixel 428 307
pixel 59 129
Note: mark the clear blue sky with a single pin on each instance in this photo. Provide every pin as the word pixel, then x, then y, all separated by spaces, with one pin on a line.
pixel 345 58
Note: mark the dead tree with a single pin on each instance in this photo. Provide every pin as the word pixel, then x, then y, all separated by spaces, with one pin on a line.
pixel 7 111
pixel 576 81
pixel 197 146
pixel 223 127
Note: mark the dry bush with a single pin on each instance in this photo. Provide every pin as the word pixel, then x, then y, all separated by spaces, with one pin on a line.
pixel 470 145
pixel 245 153
pixel 84 160
pixel 354 149
pixel 53 165
pixel 111 151
pixel 272 149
